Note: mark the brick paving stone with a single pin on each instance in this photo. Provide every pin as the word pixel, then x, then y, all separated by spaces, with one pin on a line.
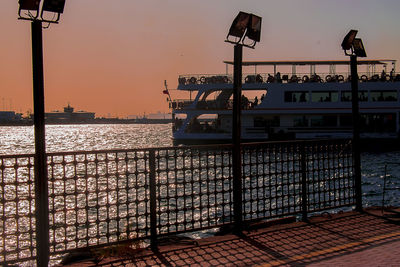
pixel 382 255
pixel 348 239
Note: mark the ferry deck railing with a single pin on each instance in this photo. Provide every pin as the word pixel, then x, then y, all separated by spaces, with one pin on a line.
pixel 100 198
pixel 286 77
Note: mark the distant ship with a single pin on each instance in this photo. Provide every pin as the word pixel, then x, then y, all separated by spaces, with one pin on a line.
pixel 12 118
pixel 69 116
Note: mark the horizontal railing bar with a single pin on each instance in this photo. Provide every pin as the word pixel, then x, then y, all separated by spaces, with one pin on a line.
pixel 19 261
pixel 127 241
pixel 392 188
pixel 225 145
pixel 31 155
pixel 135 150
pixel 392 163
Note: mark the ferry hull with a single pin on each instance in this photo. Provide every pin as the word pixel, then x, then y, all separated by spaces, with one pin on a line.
pixel 296 105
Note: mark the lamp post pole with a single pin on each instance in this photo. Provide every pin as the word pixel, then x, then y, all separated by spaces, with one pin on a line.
pixel 244 26
pixel 236 137
pixel 37 14
pixel 356 131
pixel 355 45
pixel 41 186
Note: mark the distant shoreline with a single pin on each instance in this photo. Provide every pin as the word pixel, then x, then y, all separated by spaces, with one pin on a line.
pixel 95 121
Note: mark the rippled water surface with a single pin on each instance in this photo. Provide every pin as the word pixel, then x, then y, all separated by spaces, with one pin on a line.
pixel 61 138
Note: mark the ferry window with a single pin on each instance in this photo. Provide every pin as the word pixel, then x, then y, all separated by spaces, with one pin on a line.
pixel 296 96
pixel 325 96
pixel 300 121
pixel 206 123
pixel 346 120
pixel 378 96
pixel 378 122
pixel 266 121
pixel 325 121
pixel 346 96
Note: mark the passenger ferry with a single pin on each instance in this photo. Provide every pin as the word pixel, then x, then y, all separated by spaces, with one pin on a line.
pixel 294 100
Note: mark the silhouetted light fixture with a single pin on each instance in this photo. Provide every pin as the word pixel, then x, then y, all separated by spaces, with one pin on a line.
pixel 254 28
pixel 239 25
pixel 29 4
pixel 245 25
pixel 52 6
pixel 350 42
pixel 56 6
pixel 359 48
pixel 348 39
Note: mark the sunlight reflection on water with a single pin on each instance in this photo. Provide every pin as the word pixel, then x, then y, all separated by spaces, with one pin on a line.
pixel 61 138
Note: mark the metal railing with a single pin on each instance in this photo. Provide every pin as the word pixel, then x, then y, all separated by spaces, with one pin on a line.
pixel 180 103
pixel 390 185
pixel 100 198
pixel 252 78
pixel 17 209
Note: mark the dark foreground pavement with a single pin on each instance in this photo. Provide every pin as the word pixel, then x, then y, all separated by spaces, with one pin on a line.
pixel 346 239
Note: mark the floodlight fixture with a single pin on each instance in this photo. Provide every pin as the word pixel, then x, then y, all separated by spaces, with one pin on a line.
pixel 239 25
pixel 245 25
pixel 358 48
pixel 254 28
pixel 46 10
pixel 56 6
pixel 348 39
pixel 29 5
pixel 52 6
pixel 350 42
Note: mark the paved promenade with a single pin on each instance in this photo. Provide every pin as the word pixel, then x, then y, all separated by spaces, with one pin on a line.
pixel 347 239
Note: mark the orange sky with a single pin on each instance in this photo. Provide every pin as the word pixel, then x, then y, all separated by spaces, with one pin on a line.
pixel 112 57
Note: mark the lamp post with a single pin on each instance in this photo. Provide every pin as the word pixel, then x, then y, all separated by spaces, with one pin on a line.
pixel 245 27
pixel 37 13
pixel 354 48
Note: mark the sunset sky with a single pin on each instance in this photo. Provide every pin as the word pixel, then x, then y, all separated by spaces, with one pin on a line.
pixel 112 57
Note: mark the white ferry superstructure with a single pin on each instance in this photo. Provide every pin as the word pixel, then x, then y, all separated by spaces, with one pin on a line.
pixel 289 105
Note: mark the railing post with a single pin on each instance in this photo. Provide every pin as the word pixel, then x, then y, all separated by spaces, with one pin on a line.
pixel 384 188
pixel 303 168
pixel 153 200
